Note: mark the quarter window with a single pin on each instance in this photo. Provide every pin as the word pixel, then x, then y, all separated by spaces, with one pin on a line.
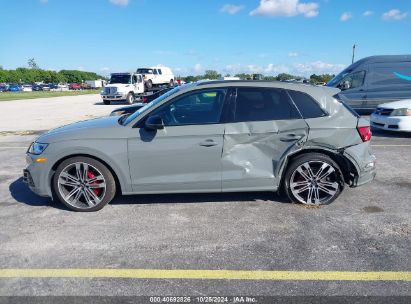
pixel 308 107
pixel 159 72
pixel 263 104
pixel 155 72
pixel 197 108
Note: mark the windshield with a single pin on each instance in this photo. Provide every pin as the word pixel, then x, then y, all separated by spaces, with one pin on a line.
pixel 145 71
pixel 337 79
pixel 150 104
pixel 120 79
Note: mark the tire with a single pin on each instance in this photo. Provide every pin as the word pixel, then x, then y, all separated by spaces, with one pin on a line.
pixel 130 98
pixel 73 185
pixel 313 179
pixel 171 83
pixel 106 102
pixel 149 84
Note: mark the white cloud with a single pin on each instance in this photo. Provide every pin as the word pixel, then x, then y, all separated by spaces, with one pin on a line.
pixel 44 1
pixel 197 68
pixel 285 8
pixel 368 13
pixel 105 69
pixel 317 67
pixel 293 54
pixel 394 14
pixel 80 68
pixel 345 16
pixel 231 9
pixel 120 2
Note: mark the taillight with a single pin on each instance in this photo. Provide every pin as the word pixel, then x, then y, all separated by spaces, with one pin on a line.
pixel 365 133
pixel 145 99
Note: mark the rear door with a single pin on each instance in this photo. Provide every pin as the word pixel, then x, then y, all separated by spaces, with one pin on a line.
pixel 263 127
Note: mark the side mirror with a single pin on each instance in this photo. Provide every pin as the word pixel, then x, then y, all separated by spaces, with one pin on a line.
pixel 154 122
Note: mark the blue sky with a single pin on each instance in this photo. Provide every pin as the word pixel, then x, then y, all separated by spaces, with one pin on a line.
pixel 190 36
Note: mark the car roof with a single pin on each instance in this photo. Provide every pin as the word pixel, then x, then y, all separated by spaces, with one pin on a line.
pixel 303 87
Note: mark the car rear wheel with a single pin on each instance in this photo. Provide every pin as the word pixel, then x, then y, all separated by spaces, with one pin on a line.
pixel 313 179
pixel 83 184
pixel 130 98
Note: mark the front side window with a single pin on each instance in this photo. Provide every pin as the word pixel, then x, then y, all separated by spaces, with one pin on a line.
pixel 261 104
pixel 155 72
pixel 195 108
pixel 353 80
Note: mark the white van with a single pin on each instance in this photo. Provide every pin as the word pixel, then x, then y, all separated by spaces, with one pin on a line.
pixel 157 76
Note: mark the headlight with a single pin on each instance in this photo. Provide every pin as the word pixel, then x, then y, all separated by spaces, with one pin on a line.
pixel 37 148
pixel 401 112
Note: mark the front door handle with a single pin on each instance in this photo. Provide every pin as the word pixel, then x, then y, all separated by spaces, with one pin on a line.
pixel 208 143
pixel 291 137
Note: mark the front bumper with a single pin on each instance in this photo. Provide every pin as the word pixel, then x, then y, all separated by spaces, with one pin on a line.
pixel 113 97
pixel 37 176
pixel 391 123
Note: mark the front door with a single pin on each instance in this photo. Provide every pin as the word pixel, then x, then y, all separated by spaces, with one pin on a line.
pixel 185 156
pixel 264 128
pixel 355 93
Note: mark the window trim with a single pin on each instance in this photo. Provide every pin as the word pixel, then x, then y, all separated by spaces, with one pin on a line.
pixel 141 122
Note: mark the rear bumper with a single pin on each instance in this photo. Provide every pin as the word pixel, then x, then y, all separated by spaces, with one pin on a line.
pixel 364 161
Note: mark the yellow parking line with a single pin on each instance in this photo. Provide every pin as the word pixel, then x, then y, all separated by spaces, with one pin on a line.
pixel 208 274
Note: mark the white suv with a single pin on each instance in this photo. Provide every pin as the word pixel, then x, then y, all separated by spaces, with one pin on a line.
pixel 156 76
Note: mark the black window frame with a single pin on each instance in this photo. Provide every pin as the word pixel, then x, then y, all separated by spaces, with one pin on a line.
pixel 141 122
pixel 233 105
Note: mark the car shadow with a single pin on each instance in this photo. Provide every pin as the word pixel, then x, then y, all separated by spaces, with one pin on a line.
pixel 388 134
pixel 22 194
pixel 194 198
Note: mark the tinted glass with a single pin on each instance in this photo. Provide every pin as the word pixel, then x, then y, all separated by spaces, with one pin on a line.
pixel 263 104
pixel 159 71
pixel 193 108
pixel 155 71
pixel 308 107
pixel 388 74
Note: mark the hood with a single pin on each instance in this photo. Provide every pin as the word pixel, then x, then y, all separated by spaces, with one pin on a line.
pixel 406 103
pixel 105 127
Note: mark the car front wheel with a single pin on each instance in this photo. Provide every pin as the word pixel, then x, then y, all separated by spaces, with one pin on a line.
pixel 130 98
pixel 313 179
pixel 83 184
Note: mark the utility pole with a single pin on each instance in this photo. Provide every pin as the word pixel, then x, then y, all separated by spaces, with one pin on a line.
pixel 353 53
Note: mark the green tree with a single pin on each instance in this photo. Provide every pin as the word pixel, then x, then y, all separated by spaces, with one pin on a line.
pixel 211 74
pixel 32 64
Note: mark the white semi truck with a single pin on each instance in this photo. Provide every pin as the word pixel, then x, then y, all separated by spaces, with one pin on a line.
pixel 123 87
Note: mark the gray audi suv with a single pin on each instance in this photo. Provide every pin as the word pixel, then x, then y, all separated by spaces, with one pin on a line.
pixel 216 136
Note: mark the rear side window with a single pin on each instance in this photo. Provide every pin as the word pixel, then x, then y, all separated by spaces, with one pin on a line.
pixel 308 107
pixel 159 71
pixel 260 104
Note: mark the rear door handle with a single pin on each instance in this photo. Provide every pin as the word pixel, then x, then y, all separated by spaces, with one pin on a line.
pixel 291 137
pixel 208 143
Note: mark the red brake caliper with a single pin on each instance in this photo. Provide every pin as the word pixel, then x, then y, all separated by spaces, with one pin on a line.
pixel 91 175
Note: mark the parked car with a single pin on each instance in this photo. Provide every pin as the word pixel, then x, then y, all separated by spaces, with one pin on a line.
pixel 157 76
pixel 62 87
pixel 150 97
pixel 53 86
pixel 126 110
pixel 85 86
pixel 3 87
pixel 209 137
pixel 75 86
pixel 393 116
pixel 27 88
pixel 375 80
pixel 45 87
pixel 15 88
pixel 37 87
